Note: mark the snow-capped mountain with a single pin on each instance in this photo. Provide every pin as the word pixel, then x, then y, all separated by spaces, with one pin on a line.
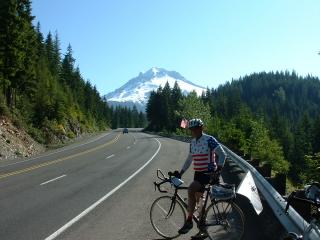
pixel 137 90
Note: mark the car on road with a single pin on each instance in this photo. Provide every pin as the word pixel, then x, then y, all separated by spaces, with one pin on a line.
pixel 125 130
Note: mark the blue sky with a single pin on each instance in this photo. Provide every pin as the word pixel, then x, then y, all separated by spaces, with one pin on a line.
pixel 208 41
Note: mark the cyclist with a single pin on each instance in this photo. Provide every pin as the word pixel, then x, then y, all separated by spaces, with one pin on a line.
pixel 208 157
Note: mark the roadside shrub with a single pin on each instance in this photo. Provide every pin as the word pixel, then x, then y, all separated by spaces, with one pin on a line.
pixel 71 135
pixel 36 134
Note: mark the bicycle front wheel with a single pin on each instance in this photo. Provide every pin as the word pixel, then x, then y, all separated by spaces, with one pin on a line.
pixel 224 220
pixel 167 216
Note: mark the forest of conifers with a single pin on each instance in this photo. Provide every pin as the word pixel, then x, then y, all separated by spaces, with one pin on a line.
pixel 41 89
pixel 274 117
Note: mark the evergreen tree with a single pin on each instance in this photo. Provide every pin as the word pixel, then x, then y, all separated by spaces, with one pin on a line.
pixel 53 54
pixel 115 123
pixel 40 39
pixel 11 48
pixel 142 122
pixel 176 96
pixel 135 117
pixel 280 130
pixel 26 76
pixel 68 68
pixel 165 108
pixel 311 173
pixel 193 107
pixel 50 52
pixel 316 135
pixel 259 145
pixel 56 56
pixel 153 115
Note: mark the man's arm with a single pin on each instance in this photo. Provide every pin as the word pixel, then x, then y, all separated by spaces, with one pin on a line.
pixel 216 147
pixel 187 164
pixel 221 156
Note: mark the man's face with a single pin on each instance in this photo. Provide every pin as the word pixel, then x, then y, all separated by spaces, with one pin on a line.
pixel 196 132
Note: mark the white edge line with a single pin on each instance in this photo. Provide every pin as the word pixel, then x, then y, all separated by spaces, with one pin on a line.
pixel 49 154
pixel 128 147
pixel 53 180
pixel 110 156
pixel 93 206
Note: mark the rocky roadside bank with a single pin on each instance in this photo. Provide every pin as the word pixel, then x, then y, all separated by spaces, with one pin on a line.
pixel 16 143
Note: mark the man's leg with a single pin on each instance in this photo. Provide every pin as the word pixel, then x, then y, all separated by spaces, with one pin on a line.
pixel 192 190
pixel 202 234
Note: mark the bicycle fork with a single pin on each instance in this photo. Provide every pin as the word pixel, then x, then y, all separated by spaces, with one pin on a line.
pixel 172 206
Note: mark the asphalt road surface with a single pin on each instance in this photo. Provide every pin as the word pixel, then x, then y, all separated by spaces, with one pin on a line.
pixel 98 189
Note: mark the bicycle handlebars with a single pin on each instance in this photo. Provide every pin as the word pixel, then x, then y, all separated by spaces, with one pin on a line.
pixel 164 179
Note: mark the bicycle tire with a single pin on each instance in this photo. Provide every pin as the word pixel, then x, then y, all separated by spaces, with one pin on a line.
pixel 167 226
pixel 224 220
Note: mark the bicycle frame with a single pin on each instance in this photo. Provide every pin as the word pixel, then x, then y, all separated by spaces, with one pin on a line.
pixel 200 222
pixel 185 205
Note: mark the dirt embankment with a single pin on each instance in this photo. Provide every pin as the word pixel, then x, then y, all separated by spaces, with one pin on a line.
pixel 16 143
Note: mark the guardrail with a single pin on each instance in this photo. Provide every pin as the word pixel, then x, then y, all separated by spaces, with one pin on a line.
pixel 292 221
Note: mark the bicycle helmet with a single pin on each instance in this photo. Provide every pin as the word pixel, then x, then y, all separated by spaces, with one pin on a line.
pixel 196 122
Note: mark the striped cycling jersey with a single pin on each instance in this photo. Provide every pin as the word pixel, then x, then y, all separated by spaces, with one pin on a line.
pixel 202 151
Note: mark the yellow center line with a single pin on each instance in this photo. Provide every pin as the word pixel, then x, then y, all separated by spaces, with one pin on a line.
pixel 58 160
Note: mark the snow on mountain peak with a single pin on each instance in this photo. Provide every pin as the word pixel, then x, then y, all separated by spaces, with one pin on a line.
pixel 155 70
pixel 137 90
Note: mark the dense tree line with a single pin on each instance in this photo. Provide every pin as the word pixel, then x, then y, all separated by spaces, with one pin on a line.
pixel 271 116
pixel 162 108
pixel 289 106
pixel 41 89
pixel 127 118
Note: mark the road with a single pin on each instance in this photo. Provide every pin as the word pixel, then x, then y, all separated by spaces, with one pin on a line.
pixel 98 189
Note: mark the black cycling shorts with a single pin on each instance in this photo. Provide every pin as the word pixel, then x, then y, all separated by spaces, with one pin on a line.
pixel 203 178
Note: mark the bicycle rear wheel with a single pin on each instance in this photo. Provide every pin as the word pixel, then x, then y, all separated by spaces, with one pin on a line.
pixel 167 216
pixel 224 220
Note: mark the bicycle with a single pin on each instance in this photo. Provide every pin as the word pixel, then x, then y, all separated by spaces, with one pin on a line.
pixel 222 218
pixel 313 229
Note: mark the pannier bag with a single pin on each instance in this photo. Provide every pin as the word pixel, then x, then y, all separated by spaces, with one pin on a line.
pixel 223 191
